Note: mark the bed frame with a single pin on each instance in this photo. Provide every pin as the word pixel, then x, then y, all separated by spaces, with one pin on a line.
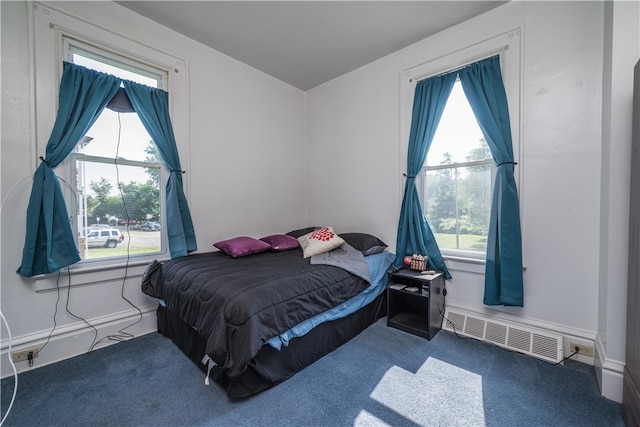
pixel 270 366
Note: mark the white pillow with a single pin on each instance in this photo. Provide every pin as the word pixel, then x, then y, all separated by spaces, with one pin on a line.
pixel 319 241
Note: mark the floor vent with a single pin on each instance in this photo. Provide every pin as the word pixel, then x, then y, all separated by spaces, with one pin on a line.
pixel 537 343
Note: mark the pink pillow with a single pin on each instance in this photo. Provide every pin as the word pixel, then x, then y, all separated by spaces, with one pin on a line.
pixel 242 246
pixel 281 242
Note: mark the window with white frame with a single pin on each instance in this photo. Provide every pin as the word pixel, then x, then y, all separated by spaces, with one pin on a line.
pixel 57 35
pixel 115 170
pixel 457 177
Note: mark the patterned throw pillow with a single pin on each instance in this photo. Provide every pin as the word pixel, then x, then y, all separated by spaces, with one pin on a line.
pixel 319 241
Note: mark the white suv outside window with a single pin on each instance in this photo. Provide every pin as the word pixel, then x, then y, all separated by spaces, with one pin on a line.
pixel 108 238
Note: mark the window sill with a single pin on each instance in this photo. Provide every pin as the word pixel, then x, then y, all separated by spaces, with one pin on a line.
pixel 91 275
pixel 468 265
pixel 465 264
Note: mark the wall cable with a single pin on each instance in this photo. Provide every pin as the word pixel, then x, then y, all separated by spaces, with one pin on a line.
pixel 13 367
pixel 15 372
pixel 74 315
pixel 55 314
pixel 4 320
pixel 126 268
pixel 122 335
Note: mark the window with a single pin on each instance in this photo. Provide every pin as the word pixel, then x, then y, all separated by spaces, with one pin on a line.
pixel 457 178
pixel 56 36
pixel 115 169
pixel 458 175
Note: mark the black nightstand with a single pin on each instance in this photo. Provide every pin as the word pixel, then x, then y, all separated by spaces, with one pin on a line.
pixel 414 302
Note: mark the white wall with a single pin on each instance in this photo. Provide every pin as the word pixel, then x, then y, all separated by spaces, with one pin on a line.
pixel 354 124
pixel 240 123
pixel 239 181
pixel 621 52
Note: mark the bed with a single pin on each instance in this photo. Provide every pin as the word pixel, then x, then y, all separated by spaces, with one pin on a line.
pixel 253 320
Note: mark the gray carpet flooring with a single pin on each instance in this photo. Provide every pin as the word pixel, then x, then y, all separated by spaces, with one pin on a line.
pixel 382 377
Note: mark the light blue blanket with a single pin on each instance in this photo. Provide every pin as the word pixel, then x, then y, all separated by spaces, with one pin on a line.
pixel 378 265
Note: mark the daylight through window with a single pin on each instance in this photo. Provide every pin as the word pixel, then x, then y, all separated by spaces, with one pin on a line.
pixel 117 171
pixel 458 176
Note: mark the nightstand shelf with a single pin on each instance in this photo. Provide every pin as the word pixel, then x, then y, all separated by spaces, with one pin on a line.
pixel 415 311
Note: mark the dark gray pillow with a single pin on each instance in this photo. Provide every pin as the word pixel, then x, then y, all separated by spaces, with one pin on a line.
pixel 365 243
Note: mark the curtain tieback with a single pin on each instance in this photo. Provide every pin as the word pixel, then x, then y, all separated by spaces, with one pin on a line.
pixel 506 163
pixel 45 161
pixel 408 176
pixel 177 171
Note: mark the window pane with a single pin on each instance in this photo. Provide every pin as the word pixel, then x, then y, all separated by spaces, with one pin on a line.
pixel 458 138
pixel 113 134
pixel 113 217
pixel 118 135
pixel 457 199
pixel 113 70
pixel 118 168
pixel 457 206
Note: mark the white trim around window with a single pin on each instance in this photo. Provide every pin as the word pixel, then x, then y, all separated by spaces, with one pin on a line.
pixel 508 46
pixel 48 28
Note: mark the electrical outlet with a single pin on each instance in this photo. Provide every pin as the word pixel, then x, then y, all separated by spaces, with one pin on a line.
pixel 583 349
pixel 22 355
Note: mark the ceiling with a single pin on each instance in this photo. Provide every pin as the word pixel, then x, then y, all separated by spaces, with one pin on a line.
pixel 307 43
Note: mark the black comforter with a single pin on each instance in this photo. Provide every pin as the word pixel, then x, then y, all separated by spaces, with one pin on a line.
pixel 237 304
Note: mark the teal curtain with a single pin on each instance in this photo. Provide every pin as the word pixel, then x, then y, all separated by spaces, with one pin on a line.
pixel 152 106
pixel 84 93
pixel 414 234
pixel 49 240
pixel 484 88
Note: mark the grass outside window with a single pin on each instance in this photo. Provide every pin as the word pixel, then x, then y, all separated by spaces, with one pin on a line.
pixel 467 242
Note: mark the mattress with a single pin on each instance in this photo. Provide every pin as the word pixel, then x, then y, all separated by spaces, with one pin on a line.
pixel 238 304
pixel 256 320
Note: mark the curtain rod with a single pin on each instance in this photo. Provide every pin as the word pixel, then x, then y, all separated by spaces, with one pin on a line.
pixel 478 58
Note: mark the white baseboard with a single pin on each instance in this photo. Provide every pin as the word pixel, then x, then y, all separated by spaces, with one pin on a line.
pixel 76 338
pixel 609 372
